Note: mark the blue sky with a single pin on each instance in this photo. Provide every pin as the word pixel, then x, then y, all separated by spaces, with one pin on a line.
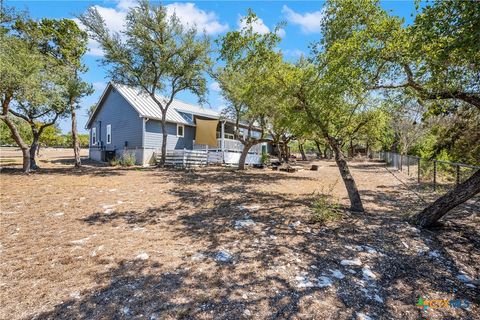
pixel 216 17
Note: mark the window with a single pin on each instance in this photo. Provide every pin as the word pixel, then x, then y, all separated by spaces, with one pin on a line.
pixel 94 136
pixel 180 130
pixel 109 133
pixel 225 135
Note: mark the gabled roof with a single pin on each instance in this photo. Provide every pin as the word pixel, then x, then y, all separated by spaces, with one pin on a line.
pixel 178 112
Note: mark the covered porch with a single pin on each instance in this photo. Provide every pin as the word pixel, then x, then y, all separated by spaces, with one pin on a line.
pixel 228 150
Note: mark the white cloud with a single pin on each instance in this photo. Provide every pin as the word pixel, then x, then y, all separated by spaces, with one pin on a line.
pixel 309 22
pixel 281 33
pixel 191 16
pixel 188 14
pixel 294 53
pixel 215 86
pixel 258 25
pixel 99 86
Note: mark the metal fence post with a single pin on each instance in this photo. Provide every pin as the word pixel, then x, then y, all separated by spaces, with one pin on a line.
pixel 434 175
pixel 458 175
pixel 400 162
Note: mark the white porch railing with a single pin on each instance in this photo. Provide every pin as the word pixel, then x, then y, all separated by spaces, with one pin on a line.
pixel 230 145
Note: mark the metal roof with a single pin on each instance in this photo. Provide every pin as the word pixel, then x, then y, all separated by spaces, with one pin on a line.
pixel 147 108
pixel 178 111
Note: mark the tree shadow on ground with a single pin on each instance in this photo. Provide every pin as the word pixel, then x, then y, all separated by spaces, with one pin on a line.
pixel 93 169
pixel 276 259
pixel 224 175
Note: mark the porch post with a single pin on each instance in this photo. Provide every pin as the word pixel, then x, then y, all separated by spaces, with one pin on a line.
pixel 222 140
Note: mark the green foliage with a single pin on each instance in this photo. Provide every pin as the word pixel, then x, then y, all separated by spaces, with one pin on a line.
pixel 325 210
pixel 128 159
pixel 155 53
pixel 264 158
pixel 432 65
pixel 51 136
pixel 114 162
pixel 308 145
pixel 247 79
pixel 158 54
pixel 23 128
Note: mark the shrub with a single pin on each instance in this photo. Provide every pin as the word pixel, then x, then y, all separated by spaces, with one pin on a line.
pixel 264 158
pixel 128 159
pixel 114 162
pixel 325 210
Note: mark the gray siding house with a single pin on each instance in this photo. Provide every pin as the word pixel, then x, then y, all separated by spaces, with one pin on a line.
pixel 126 120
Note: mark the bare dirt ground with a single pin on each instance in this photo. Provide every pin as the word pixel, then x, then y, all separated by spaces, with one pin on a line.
pixel 145 243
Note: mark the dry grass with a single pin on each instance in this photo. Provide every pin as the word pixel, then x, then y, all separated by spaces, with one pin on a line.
pixel 102 243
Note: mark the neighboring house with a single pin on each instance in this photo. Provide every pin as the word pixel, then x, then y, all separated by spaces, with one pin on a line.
pixel 126 120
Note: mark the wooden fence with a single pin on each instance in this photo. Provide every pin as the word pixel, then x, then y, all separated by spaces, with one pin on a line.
pixel 185 158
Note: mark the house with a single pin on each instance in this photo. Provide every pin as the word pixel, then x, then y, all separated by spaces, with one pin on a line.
pixel 127 120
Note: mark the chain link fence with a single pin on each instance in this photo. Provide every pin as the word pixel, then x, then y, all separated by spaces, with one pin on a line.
pixel 440 175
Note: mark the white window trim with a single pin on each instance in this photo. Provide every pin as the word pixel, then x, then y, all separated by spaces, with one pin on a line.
pixel 109 133
pixel 94 136
pixel 183 130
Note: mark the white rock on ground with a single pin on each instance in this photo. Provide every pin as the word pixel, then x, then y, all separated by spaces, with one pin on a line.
pixel 75 295
pixel 370 249
pixel 249 208
pixel 363 316
pixel 58 214
pixel 464 278
pixel 80 241
pixel 434 254
pixel 368 274
pixel 353 262
pixel 198 256
pixel 295 224
pixel 337 274
pixel 223 256
pixel 126 311
pixel 142 256
pixel 304 282
pixel 247 312
pixel 324 282
pixel 244 223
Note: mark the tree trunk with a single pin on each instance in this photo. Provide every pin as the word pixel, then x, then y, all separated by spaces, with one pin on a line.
pixel 284 149
pixel 75 141
pixel 164 139
pixel 26 160
pixel 18 139
pixel 33 148
pixel 352 190
pixel 350 149
pixel 302 151
pixel 464 191
pixel 325 152
pixel 319 149
pixel 243 156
